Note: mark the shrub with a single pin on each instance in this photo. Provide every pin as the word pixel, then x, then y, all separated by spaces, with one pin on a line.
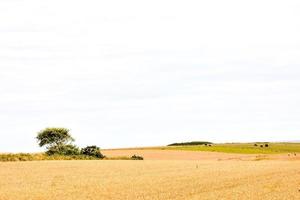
pixel 68 149
pixel 266 145
pixel 135 157
pixel 261 145
pixel 93 151
pixel 255 145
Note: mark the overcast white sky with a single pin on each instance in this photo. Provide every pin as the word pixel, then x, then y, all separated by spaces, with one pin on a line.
pixel 138 73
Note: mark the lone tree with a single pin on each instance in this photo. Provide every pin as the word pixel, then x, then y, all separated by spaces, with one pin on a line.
pixel 57 141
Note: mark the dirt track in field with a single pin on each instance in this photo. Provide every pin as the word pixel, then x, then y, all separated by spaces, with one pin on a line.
pixel 194 155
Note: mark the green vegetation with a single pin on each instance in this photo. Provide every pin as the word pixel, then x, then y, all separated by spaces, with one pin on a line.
pixel 66 150
pixel 243 148
pixel 58 142
pixel 190 143
pixel 92 151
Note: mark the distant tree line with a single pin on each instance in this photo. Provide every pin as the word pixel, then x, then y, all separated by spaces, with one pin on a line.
pixel 190 143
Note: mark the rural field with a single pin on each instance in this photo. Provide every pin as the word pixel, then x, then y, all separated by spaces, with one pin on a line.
pixel 164 174
pixel 149 100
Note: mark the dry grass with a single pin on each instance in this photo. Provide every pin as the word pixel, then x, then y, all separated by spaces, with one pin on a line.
pixel 109 179
pixel 10 157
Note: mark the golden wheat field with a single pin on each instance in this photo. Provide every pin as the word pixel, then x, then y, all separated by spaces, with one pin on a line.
pixel 150 179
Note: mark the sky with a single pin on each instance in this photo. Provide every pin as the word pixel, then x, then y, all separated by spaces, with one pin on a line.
pixel 145 73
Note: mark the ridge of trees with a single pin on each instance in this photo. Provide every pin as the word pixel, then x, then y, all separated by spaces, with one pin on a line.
pixel 191 143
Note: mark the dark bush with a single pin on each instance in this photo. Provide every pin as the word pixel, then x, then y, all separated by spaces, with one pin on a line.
pixel 92 151
pixel 266 145
pixel 261 145
pixel 255 145
pixel 135 157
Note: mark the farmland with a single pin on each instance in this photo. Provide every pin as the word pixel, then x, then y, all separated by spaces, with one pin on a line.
pixel 224 171
pixel 150 179
pixel 239 148
pixel 243 148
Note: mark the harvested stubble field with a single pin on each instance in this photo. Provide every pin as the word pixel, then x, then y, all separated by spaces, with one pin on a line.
pixel 150 179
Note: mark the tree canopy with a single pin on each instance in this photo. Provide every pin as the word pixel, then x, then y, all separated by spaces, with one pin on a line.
pixel 56 140
pixel 54 136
